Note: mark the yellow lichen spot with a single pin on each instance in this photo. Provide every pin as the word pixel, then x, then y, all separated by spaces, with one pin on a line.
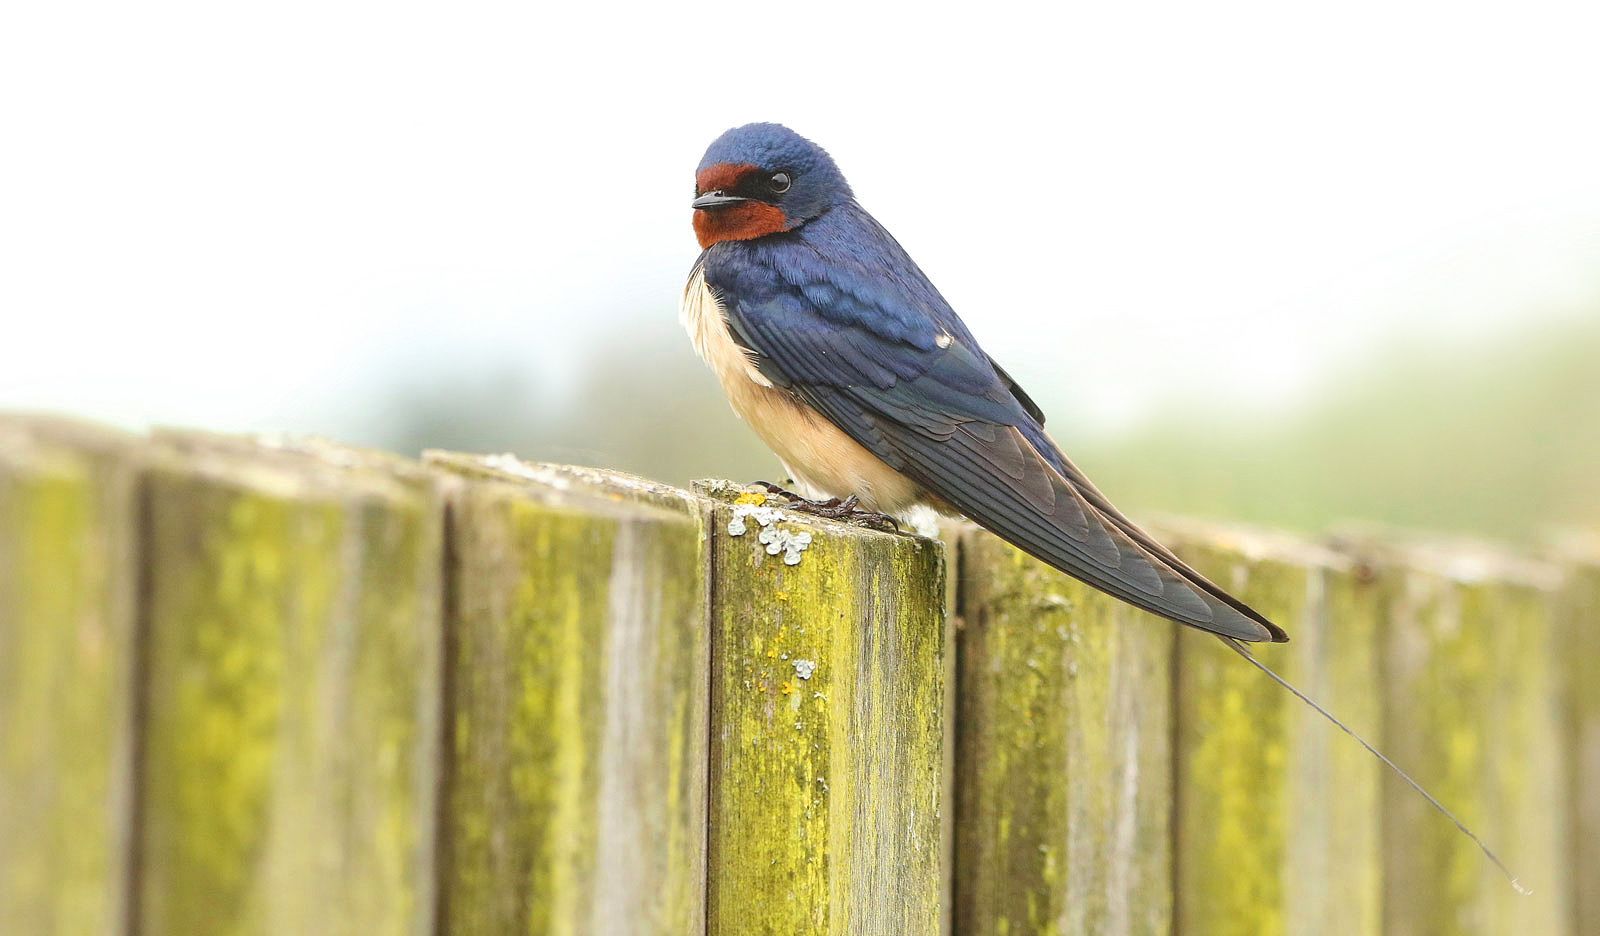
pixel 786 687
pixel 772 653
pixel 751 497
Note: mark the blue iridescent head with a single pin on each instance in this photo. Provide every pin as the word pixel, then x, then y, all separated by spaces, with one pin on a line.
pixel 760 179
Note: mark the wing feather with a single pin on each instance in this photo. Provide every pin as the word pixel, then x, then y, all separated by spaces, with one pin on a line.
pixel 864 339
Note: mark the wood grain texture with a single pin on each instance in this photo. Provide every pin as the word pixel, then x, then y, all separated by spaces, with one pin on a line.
pixel 251 688
pixel 1472 711
pixel 1063 773
pixel 1578 644
pixel 1277 810
pixel 578 699
pixel 292 647
pixel 950 532
pixel 67 581
pixel 827 728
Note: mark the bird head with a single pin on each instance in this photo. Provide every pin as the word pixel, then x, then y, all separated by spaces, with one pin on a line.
pixel 760 179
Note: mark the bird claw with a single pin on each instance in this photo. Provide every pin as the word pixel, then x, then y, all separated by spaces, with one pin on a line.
pixel 848 510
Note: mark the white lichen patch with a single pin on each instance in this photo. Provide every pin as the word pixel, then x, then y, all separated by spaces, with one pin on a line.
pixel 764 516
pixel 778 540
pixel 775 538
pixel 804 668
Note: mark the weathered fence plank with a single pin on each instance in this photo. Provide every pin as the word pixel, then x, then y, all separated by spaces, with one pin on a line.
pixel 1472 711
pixel 66 620
pixel 1064 738
pixel 1578 643
pixel 827 726
pixel 578 686
pixel 250 688
pixel 1277 811
pixel 291 663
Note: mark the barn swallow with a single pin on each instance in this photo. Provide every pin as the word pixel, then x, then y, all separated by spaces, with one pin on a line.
pixel 841 355
pixel 836 349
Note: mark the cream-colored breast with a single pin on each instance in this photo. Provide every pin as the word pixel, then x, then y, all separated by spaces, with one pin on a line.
pixel 817 454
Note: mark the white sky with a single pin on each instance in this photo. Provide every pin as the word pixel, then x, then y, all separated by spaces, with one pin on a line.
pixel 244 217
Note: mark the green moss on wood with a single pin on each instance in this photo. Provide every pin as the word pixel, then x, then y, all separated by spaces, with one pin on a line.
pixel 1579 648
pixel 1472 713
pixel 66 613
pixel 1277 811
pixel 291 668
pixel 1063 760
pixel 828 703
pixel 291 653
pixel 578 674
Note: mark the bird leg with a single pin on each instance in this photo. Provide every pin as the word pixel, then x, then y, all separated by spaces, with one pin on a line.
pixel 848 510
pixel 771 488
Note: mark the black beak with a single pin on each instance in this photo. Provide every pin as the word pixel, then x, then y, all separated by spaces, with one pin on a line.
pixel 715 200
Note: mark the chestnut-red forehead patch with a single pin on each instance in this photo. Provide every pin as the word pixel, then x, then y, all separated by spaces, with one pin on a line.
pixel 721 176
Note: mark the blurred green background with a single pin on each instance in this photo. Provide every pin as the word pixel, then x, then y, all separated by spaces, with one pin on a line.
pixel 1497 436
pixel 1274 263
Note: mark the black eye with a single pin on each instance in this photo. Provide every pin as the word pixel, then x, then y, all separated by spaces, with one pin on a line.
pixel 779 182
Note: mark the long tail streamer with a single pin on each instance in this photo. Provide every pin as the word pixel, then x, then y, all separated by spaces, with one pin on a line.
pixel 1240 649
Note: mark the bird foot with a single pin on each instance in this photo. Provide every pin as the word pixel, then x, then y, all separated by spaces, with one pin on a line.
pixel 848 510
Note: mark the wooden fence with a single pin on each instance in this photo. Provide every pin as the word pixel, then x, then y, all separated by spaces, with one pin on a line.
pixel 251 688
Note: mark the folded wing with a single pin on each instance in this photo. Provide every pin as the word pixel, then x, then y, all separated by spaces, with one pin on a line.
pixel 871 346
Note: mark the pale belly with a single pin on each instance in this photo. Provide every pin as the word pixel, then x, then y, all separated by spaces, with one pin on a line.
pixel 821 458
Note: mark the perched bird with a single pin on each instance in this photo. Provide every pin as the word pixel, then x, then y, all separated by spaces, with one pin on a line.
pixel 846 361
